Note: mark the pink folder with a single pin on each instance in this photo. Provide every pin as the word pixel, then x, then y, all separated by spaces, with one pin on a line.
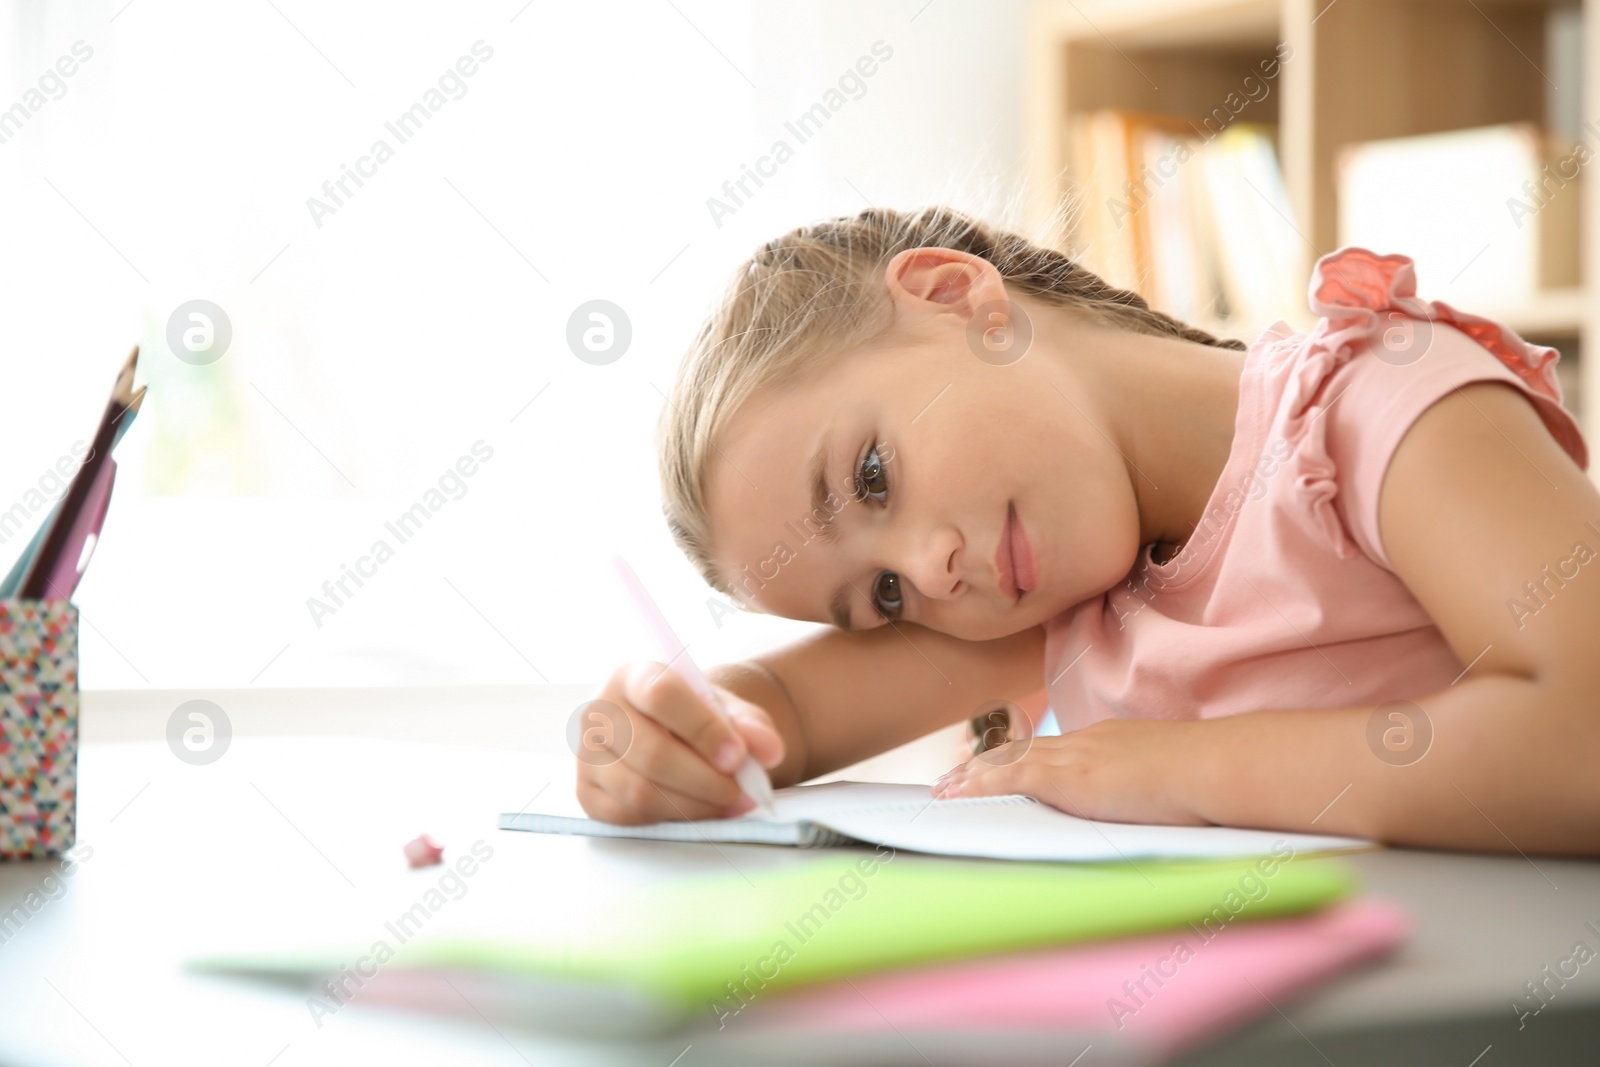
pixel 1153 994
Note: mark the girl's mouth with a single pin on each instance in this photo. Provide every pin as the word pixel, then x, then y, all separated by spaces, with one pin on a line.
pixel 1013 558
pixel 1023 574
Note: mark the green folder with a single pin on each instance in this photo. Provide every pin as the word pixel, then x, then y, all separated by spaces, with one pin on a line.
pixel 647 957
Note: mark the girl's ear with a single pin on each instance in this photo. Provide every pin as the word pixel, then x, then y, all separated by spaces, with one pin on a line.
pixel 955 280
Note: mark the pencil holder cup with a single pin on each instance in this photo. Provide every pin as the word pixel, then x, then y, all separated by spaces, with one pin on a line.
pixel 38 727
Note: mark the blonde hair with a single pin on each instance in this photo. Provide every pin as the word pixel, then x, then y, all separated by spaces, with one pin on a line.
pixel 818 292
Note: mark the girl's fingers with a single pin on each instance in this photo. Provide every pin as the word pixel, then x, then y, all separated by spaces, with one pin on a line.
pixel 669 755
pixel 667 698
pixel 950 783
pixel 983 778
pixel 661 757
pixel 626 797
pixel 752 723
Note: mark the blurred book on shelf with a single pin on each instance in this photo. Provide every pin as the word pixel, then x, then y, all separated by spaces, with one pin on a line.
pixel 1489 215
pixel 1195 220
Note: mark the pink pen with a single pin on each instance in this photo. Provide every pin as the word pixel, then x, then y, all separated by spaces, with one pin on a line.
pixel 752 778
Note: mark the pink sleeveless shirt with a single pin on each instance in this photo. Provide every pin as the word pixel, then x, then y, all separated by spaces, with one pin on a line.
pixel 1283 596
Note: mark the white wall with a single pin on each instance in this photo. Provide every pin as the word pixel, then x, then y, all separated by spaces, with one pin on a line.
pixel 371 352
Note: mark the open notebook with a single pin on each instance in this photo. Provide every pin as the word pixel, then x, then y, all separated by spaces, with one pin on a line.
pixel 907 817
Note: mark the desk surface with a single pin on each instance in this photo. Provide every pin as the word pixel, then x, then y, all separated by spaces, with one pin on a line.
pixel 304 830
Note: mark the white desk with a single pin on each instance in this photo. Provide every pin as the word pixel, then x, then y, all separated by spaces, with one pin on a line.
pixel 306 831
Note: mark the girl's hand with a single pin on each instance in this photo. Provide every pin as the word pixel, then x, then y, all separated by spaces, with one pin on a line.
pixel 1116 770
pixel 650 750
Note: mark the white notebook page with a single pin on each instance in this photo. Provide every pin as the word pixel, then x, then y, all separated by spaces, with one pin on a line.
pixel 907 817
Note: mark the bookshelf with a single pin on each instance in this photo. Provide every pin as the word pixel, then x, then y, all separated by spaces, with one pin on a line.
pixel 1361 70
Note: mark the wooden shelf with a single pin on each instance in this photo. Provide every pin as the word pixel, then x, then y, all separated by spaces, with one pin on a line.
pixel 1360 70
pixel 1161 24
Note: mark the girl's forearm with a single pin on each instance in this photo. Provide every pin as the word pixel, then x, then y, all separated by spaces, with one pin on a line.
pixel 1495 763
pixel 839 697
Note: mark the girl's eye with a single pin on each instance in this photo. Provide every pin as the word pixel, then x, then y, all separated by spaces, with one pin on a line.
pixel 886 595
pixel 871 479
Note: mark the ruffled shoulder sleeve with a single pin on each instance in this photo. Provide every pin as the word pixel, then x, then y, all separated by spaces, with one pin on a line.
pixel 1376 359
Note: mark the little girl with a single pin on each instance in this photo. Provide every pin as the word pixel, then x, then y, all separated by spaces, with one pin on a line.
pixel 1334 582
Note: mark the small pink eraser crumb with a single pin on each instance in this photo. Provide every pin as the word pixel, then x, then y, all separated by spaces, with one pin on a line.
pixel 423 851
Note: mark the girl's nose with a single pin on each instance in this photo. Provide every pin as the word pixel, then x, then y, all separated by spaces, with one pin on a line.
pixel 934 566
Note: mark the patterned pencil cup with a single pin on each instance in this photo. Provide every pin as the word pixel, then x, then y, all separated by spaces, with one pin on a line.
pixel 38 727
